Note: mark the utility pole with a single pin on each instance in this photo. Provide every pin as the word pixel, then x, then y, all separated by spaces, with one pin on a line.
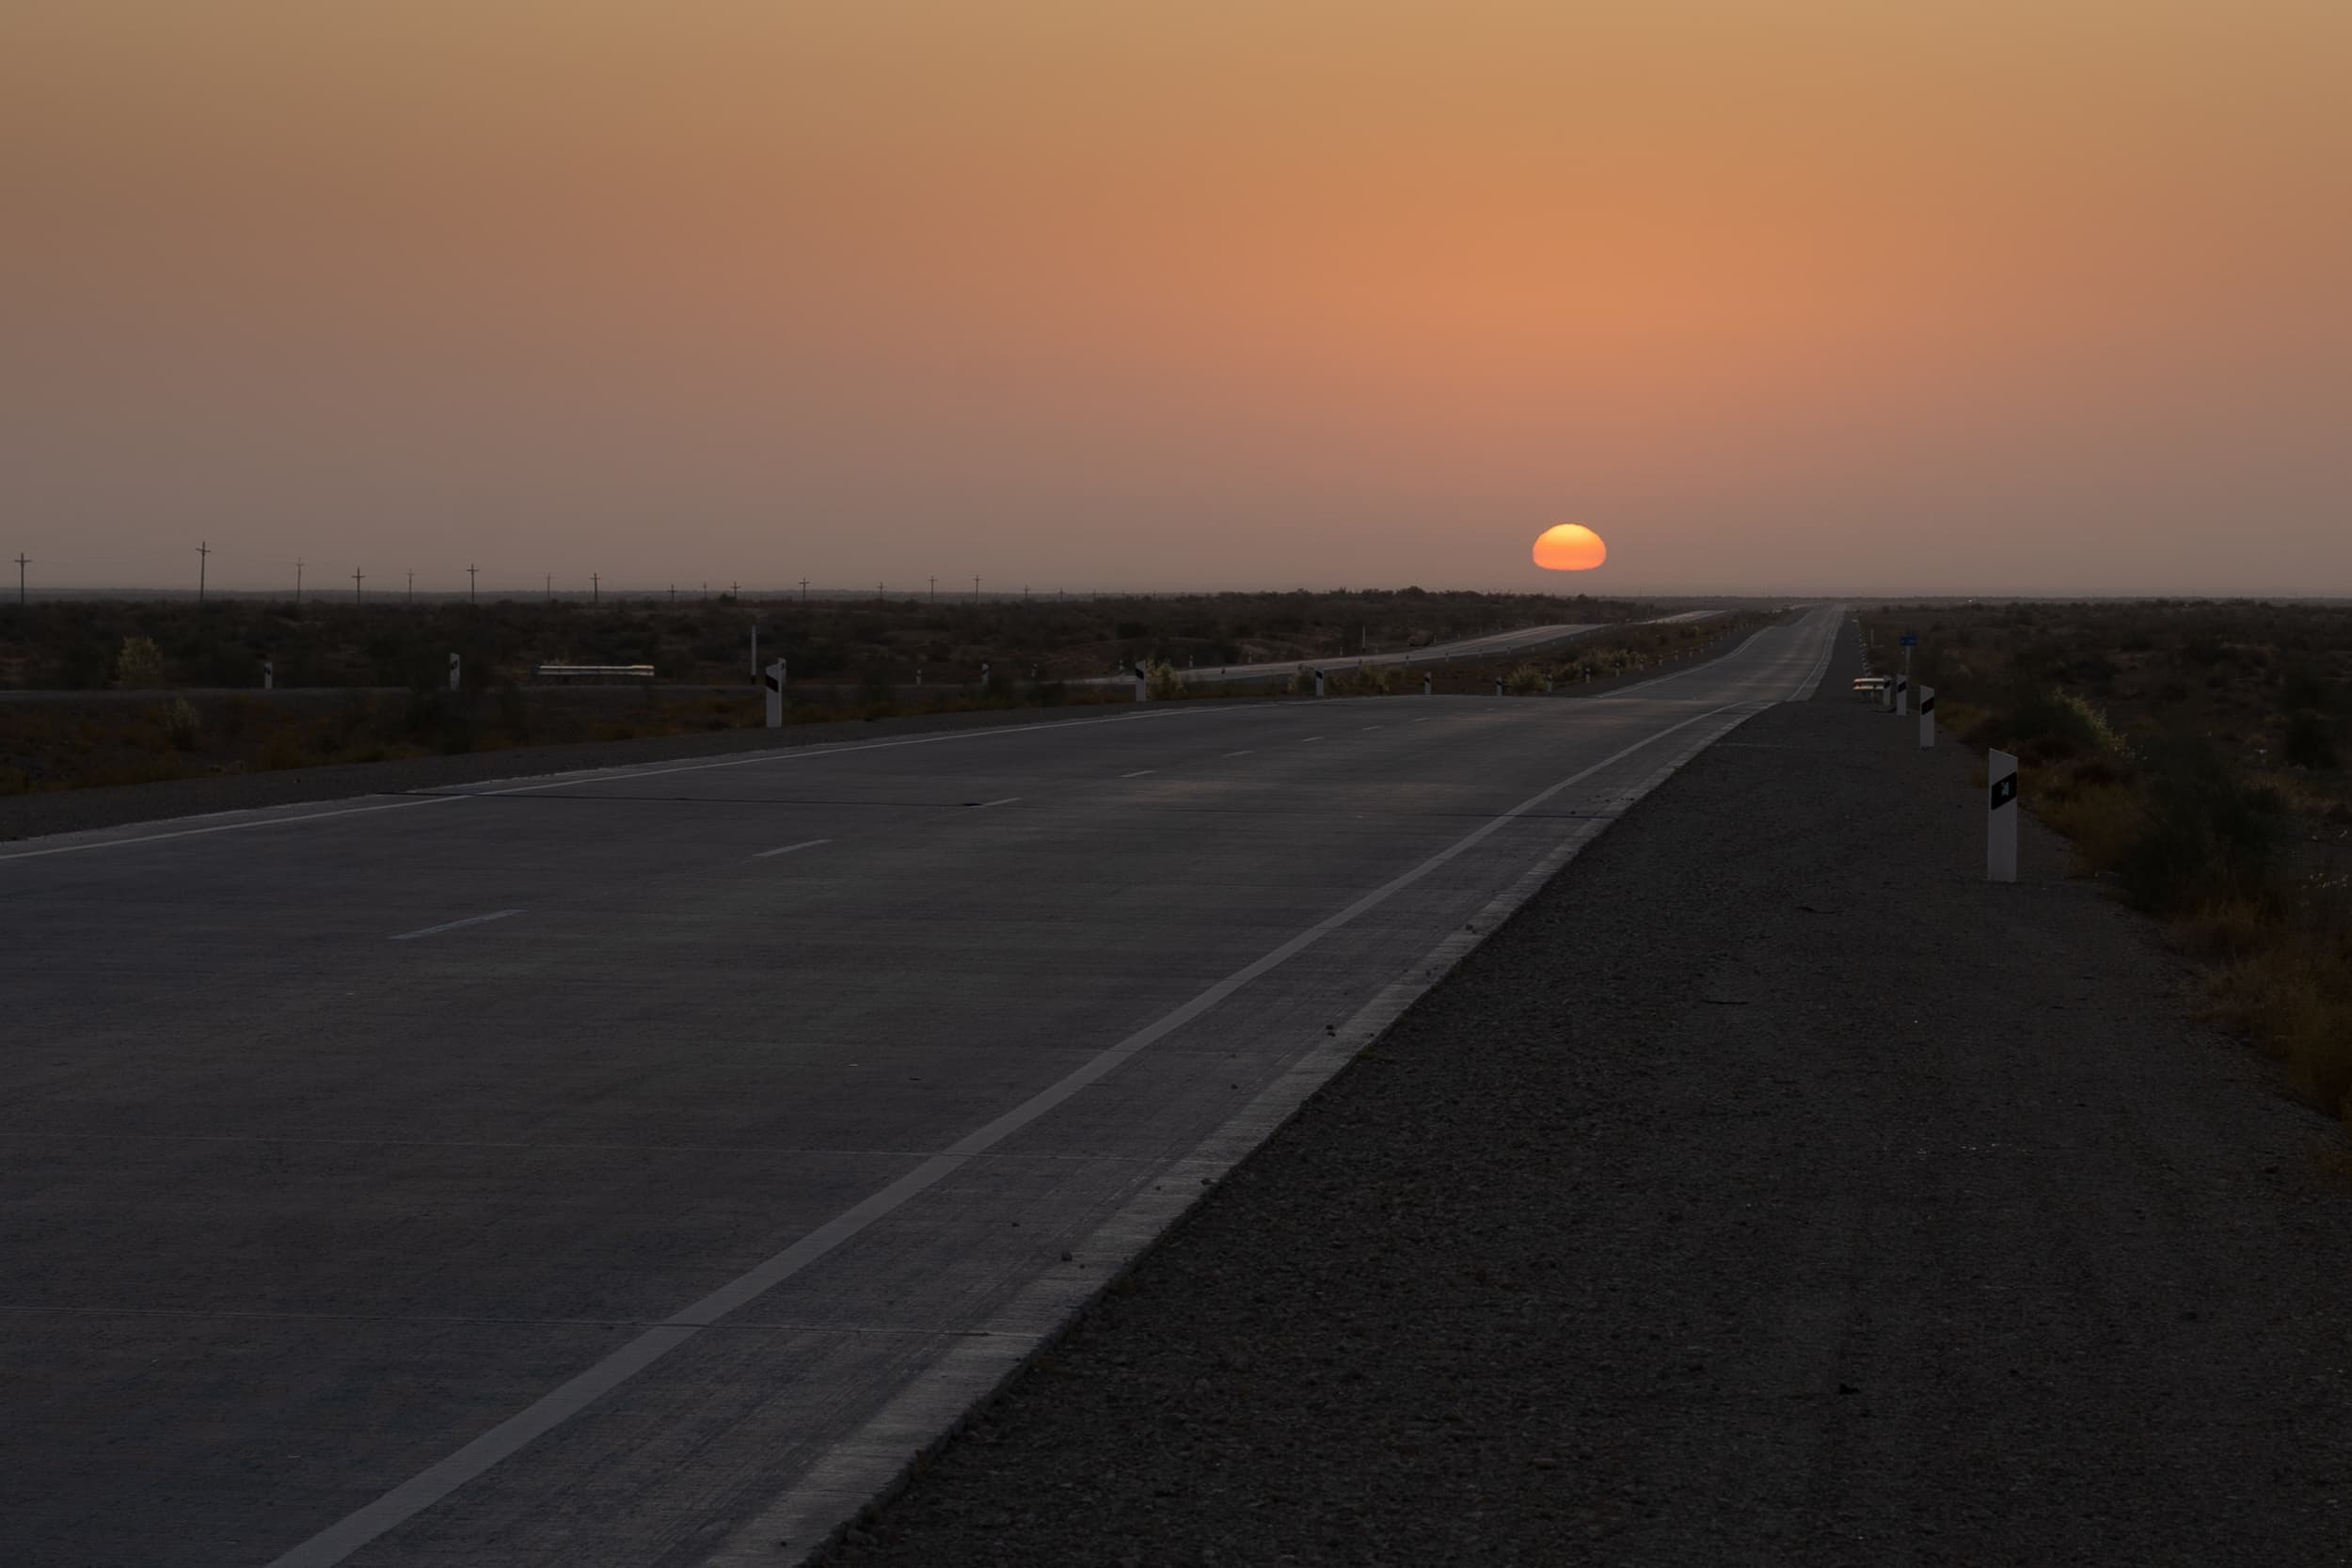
pixel 594 592
pixel 356 575
pixel 297 580
pixel 550 586
pixel 975 590
pixel 469 572
pixel 20 564
pixel 412 585
pixel 934 589
pixel 804 591
pixel 204 555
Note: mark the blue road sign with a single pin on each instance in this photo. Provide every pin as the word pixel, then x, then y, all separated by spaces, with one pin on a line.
pixel 1911 640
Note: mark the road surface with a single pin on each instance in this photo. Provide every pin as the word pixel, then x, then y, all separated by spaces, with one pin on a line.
pixel 592 1170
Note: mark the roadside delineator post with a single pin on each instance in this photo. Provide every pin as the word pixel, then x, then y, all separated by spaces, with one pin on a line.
pixel 776 695
pixel 1318 683
pixel 1497 686
pixel 1427 684
pixel 269 674
pixel 2000 815
pixel 453 671
pixel 1903 696
pixel 984 674
pixel 1927 718
pixel 1143 692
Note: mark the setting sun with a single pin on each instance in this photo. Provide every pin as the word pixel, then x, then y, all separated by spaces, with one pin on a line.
pixel 1569 548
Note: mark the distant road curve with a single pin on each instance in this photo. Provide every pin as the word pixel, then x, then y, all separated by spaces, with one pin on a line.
pixel 1526 639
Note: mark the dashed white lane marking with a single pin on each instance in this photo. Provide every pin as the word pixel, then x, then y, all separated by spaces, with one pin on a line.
pixel 1237 753
pixel 453 925
pixel 1139 773
pixel 428 1486
pixel 1375 726
pixel 280 817
pixel 1006 802
pixel 786 850
pixel 1311 740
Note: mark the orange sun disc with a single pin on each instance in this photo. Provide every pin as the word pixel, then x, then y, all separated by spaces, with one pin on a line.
pixel 1569 548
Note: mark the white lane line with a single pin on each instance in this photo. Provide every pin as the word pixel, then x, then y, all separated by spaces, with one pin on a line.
pixel 1138 773
pixel 1311 740
pixel 595 776
pixel 453 925
pixel 1237 753
pixel 1006 802
pixel 1421 721
pixel 403 1502
pixel 804 843
pixel 1375 726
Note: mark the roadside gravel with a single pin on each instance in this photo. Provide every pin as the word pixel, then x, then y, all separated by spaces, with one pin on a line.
pixel 1770 1189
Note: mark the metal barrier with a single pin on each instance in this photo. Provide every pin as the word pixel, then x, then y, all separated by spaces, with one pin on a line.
pixel 595 672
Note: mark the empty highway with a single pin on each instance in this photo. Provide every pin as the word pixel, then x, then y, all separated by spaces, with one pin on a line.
pixel 599 1169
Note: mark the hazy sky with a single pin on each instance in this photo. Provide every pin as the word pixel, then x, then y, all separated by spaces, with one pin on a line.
pixel 2017 295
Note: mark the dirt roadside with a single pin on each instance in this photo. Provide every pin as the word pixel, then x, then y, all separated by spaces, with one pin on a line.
pixel 1770 1189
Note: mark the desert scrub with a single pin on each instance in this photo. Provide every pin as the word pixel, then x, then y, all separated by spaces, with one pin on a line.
pixel 140 664
pixel 181 725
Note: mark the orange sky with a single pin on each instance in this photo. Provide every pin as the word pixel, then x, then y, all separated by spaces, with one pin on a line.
pixel 1777 294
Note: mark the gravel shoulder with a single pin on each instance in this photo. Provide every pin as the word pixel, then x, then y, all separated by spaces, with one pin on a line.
pixel 1770 1189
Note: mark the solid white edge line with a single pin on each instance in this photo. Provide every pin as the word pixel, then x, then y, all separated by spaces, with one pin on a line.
pixel 786 850
pixel 871 1462
pixel 412 1496
pixel 288 816
pixel 1007 801
pixel 1138 773
pixel 453 925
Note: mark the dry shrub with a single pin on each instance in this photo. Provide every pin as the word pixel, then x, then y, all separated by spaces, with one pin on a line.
pixel 2104 820
pixel 2294 999
pixel 2233 929
pixel 1524 679
pixel 1161 680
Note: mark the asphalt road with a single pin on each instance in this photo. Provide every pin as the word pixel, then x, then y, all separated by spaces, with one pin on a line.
pixel 562 1172
pixel 1525 639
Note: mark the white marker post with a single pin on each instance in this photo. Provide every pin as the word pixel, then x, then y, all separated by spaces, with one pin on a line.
pixel 1927 719
pixel 1903 696
pixel 1428 684
pixel 1497 686
pixel 1143 692
pixel 1318 683
pixel 269 674
pixel 754 652
pixel 2001 808
pixel 984 674
pixel 453 671
pixel 776 695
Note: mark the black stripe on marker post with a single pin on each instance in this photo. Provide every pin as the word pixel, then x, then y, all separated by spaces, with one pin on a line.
pixel 1926 701
pixel 2003 792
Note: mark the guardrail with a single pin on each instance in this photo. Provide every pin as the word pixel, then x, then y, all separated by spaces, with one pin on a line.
pixel 595 672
